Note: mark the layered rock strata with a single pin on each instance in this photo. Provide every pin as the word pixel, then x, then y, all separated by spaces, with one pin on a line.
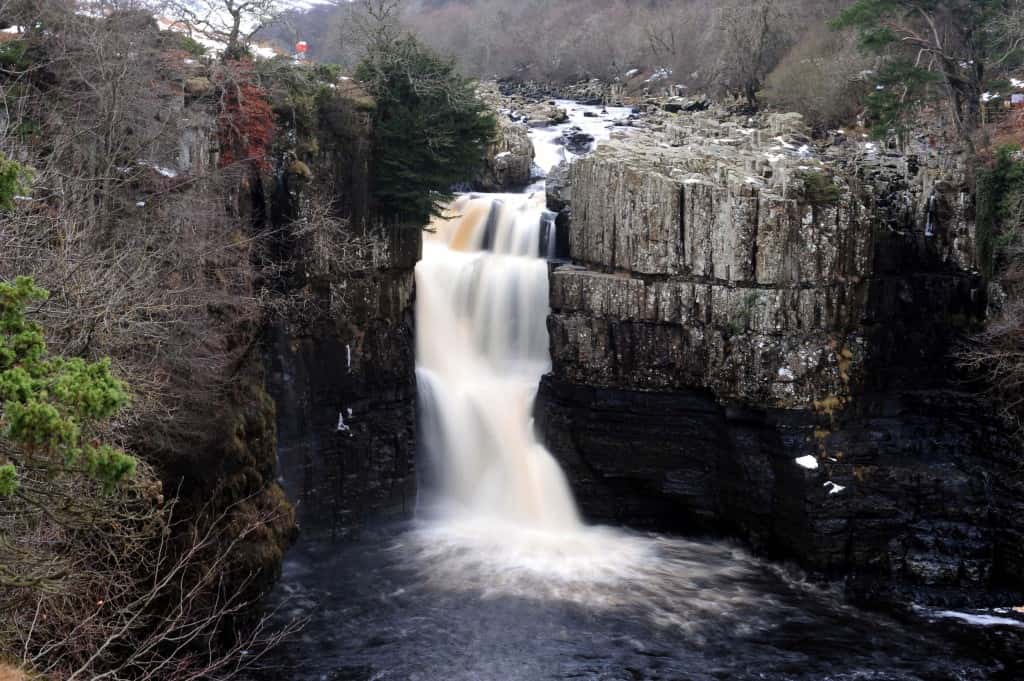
pixel 341 354
pixel 755 335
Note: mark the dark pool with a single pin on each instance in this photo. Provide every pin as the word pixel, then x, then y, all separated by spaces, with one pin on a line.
pixel 482 602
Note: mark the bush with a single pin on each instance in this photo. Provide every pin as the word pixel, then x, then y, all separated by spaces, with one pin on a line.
pixel 193 46
pixel 1000 209
pixel 819 188
pixel 48 405
pixel 245 124
pixel 431 131
pixel 14 179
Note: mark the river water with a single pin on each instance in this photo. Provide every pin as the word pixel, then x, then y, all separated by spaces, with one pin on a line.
pixel 499 579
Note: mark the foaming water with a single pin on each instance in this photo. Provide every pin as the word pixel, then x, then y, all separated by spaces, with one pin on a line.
pixel 499 579
pixel 481 348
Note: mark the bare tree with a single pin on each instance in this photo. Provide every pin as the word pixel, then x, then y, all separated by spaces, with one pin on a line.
pixel 149 263
pixel 754 39
pixel 232 23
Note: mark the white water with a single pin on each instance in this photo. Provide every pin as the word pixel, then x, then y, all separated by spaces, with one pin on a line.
pixel 547 154
pixel 481 348
pixel 491 495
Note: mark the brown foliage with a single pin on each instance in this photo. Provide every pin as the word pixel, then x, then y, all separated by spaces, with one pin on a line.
pixel 245 124
pixel 153 267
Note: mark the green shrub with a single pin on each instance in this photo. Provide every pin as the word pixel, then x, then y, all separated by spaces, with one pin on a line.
pixel 1000 209
pixel 14 55
pixel 14 180
pixel 51 406
pixel 193 46
pixel 819 188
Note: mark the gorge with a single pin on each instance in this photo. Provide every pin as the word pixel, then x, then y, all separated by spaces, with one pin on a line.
pixel 687 344
pixel 498 576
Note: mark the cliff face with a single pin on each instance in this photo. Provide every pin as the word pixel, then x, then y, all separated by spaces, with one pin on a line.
pixel 739 301
pixel 342 361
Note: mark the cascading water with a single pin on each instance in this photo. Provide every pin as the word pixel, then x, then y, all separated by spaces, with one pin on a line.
pixel 499 578
pixel 482 346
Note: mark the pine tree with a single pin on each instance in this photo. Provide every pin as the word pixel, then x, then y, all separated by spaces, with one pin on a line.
pixel 431 131
pixel 50 407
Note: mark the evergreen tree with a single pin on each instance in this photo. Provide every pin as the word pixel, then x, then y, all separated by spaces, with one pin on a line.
pixel 431 131
pixel 50 406
pixel 13 181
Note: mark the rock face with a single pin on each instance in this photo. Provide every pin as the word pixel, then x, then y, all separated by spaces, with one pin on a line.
pixel 341 365
pixel 509 160
pixel 739 301
pixel 576 141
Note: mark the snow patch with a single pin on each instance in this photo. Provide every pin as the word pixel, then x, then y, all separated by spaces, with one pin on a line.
pixel 836 489
pixel 808 462
pixel 166 172
pixel 342 426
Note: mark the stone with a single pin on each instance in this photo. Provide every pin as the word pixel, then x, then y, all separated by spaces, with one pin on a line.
pixel 731 306
pixel 509 160
pixel 576 141
pixel 197 86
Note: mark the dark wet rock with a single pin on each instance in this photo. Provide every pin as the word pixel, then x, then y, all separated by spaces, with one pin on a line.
pixel 345 388
pixel 557 187
pixel 341 365
pixel 733 308
pixel 576 141
pixel 686 104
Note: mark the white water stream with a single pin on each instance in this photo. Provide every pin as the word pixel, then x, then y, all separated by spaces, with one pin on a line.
pixel 481 349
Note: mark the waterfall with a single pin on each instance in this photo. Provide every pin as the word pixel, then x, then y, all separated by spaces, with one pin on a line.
pixel 481 349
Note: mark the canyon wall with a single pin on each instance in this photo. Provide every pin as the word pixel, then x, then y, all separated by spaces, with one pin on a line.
pixel 341 353
pixel 754 335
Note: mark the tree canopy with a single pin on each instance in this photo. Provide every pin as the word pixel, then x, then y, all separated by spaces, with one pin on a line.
pixel 960 46
pixel 431 131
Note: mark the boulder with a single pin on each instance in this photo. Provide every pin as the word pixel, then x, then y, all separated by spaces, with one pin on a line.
pixel 543 114
pixel 509 159
pixel 576 141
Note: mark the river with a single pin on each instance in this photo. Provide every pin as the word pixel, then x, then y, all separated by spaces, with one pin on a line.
pixel 500 579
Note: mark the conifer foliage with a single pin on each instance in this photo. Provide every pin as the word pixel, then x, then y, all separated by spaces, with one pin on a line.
pixel 49 406
pixel 431 131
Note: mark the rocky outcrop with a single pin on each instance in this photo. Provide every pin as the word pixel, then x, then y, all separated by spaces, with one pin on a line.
pixel 754 335
pixel 593 91
pixel 509 160
pixel 341 353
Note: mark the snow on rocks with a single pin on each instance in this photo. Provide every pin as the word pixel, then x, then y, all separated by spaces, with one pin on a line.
pixel 833 487
pixel 808 462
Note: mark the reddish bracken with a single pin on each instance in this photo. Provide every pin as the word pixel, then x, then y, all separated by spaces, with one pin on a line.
pixel 245 125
